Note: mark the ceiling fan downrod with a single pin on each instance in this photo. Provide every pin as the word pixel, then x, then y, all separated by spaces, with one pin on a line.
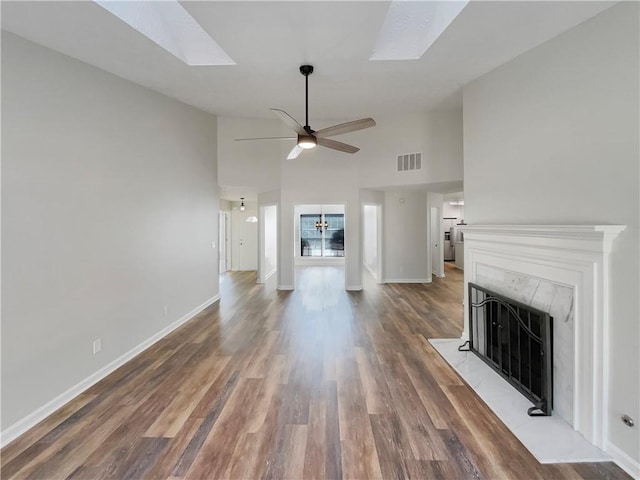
pixel 306 70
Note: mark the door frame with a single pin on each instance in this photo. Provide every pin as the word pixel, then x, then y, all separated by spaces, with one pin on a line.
pixel 438 268
pixel 224 247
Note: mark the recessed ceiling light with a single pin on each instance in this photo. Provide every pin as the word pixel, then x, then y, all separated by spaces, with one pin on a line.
pixel 411 27
pixel 169 25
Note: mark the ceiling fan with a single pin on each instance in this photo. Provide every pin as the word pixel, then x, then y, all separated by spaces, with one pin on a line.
pixel 309 138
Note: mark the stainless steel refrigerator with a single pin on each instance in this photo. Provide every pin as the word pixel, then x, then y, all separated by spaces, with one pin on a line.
pixel 449 244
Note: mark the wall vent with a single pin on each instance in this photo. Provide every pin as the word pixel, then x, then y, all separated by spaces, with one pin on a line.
pixel 409 161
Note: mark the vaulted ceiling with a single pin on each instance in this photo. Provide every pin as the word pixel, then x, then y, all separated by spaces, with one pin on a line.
pixel 269 40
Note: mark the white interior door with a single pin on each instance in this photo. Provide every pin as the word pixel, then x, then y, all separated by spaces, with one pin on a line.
pixel 245 240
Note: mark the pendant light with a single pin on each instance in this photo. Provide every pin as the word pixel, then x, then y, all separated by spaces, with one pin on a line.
pixel 242 207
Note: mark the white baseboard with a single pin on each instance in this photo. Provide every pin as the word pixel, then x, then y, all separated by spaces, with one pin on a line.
pixel 407 280
pixel 285 287
pixel 353 288
pixel 623 460
pixel 14 431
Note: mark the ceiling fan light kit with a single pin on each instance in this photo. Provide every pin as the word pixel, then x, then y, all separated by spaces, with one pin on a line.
pixel 307 141
pixel 309 138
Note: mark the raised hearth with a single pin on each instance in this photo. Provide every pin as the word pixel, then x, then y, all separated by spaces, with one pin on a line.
pixel 549 439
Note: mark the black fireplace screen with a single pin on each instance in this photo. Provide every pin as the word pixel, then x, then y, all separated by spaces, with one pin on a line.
pixel 516 341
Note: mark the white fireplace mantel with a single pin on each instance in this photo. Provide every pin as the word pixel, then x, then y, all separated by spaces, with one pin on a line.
pixel 576 256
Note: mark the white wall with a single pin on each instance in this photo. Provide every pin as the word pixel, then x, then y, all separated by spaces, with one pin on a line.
pixel 443 146
pixel 438 135
pixel 254 164
pixel 453 211
pixel 372 197
pixel 552 137
pixel 406 256
pixel 109 209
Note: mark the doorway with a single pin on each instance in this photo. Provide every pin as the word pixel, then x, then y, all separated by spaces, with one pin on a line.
pixel 372 240
pixel 319 234
pixel 244 235
pixel 319 240
pixel 268 243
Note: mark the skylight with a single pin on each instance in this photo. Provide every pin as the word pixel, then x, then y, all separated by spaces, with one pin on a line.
pixel 411 27
pixel 169 25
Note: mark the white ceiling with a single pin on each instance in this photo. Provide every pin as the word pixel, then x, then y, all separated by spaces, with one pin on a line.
pixel 269 40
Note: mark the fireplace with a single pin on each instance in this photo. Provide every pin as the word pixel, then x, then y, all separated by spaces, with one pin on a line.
pixel 567 265
pixel 515 340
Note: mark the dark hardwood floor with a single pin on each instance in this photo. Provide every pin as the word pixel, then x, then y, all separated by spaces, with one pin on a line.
pixel 314 383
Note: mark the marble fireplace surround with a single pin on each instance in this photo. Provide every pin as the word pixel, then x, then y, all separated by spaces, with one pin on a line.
pixel 572 257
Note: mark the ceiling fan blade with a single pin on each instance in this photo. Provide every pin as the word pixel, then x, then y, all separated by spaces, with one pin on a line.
pixel 295 151
pixel 289 121
pixel 343 147
pixel 346 127
pixel 265 138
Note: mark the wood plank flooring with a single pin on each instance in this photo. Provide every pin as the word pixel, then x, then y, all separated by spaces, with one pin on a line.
pixel 314 383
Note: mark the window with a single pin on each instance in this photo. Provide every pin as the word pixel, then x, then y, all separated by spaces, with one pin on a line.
pixel 326 243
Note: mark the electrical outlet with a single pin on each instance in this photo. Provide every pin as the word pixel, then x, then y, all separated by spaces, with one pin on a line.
pixel 213 244
pixel 97 345
pixel 165 310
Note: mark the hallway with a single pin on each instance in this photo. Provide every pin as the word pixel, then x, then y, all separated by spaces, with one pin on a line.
pixel 313 383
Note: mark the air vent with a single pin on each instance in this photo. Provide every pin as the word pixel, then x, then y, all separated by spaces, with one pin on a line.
pixel 409 161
